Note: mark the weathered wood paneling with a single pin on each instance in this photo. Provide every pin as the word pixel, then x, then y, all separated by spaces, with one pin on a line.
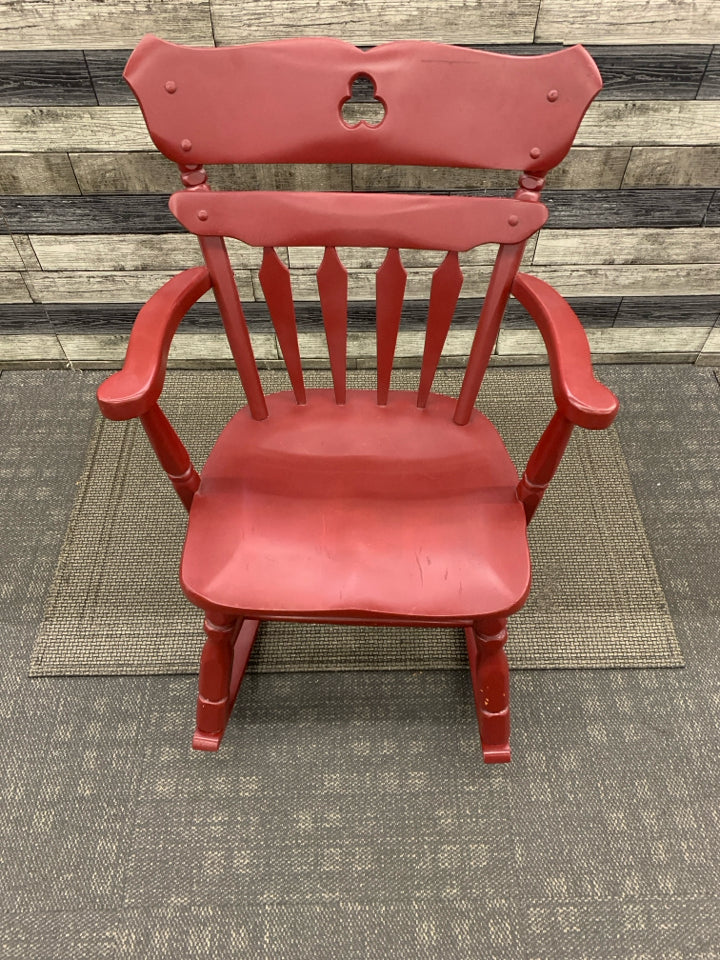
pixel 668 311
pixel 613 340
pixel 129 286
pixel 712 218
pixel 673 167
pixel 23 318
pixel 37 174
pixel 13 288
pixel 106 74
pixel 27 129
pixel 599 167
pixel 98 252
pixel 371 258
pixel 684 245
pixel 641 72
pixel 56 24
pixel 376 21
pixel 650 122
pixel 152 173
pixel 57 77
pixel 27 255
pixel 10 258
pixel 628 21
pixel 636 280
pixel 108 214
pixel 24 348
pixel 710 87
pixel 626 208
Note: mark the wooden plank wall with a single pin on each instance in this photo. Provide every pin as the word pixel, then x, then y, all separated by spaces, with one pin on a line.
pixel 85 236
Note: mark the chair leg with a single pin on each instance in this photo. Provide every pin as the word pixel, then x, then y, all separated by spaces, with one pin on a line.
pixel 222 667
pixel 491 686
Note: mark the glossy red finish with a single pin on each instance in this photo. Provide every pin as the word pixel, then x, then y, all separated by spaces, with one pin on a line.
pixel 347 506
pixel 281 102
pixel 310 219
pixel 358 510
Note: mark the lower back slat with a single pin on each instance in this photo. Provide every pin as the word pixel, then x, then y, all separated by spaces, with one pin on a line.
pixel 275 281
pixel 446 285
pixel 332 280
pixel 390 289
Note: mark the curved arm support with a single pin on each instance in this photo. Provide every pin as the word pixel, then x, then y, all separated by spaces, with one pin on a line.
pixel 134 390
pixel 579 396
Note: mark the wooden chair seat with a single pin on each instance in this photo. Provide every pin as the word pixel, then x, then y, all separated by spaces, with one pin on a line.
pixel 344 511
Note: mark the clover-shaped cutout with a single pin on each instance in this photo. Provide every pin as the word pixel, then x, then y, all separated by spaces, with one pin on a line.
pixel 363 105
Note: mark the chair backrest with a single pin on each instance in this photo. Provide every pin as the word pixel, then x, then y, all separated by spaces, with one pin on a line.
pixel 281 102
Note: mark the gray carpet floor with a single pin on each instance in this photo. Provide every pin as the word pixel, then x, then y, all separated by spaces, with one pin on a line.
pixel 349 814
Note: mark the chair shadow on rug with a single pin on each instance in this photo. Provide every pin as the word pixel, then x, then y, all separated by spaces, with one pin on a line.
pixel 359 506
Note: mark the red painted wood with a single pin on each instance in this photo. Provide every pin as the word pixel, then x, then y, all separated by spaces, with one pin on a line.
pixel 236 330
pixel 133 390
pixel 496 298
pixel 407 221
pixel 543 462
pixel 338 508
pixel 332 281
pixel 171 453
pixel 581 398
pixel 275 281
pixel 445 289
pixel 390 284
pixel 358 510
pixel 281 102
pixel 491 686
pixel 222 668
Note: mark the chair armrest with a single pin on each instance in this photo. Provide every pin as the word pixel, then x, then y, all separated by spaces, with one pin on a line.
pixel 578 395
pixel 132 391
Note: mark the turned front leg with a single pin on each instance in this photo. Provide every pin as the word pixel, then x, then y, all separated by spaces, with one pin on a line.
pixel 213 704
pixel 491 686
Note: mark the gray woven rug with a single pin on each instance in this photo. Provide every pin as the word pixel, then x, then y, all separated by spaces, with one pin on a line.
pixel 115 605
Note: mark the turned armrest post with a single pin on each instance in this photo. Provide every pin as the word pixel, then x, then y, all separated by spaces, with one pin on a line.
pixel 171 453
pixel 543 463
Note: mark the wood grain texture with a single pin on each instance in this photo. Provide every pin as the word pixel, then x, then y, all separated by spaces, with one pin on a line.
pixel 628 21
pixel 79 215
pixel 376 21
pixel 151 172
pixel 10 258
pixel 19 348
pixel 21 319
pixel 100 252
pixel 105 68
pixel 642 72
pixel 650 122
pixel 600 167
pixel 13 288
pixel 118 317
pixel 613 340
pixel 41 174
pixel 39 129
pixel 668 311
pixel 640 246
pixel 56 24
pixel 58 77
pixel 129 286
pixel 25 250
pixel 586 209
pixel 673 167
pixel 710 353
pixel 710 87
pixel 361 284
pixel 712 218
pixel 371 258
pixel 636 280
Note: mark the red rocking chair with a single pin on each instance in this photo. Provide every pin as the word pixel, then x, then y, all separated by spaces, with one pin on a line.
pixel 353 506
